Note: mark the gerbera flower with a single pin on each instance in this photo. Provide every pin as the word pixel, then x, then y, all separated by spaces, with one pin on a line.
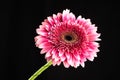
pixel 66 39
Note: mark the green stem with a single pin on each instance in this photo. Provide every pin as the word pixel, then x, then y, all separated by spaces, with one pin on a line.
pixel 39 71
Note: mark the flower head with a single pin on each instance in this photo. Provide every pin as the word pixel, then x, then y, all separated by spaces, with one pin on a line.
pixel 65 38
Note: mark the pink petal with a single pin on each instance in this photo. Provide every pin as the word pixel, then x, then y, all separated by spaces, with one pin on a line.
pixel 67 54
pixel 76 63
pixel 48 58
pixel 46 25
pixel 55 55
pixel 65 13
pixel 44 50
pixel 81 21
pixel 63 57
pixel 54 62
pixel 68 16
pixel 54 51
pixel 44 45
pixel 61 53
pixel 94 37
pixel 59 17
pixel 95 54
pixel 36 38
pixel 76 55
pixel 42 32
pixel 39 40
pixel 57 58
pixel 50 20
pixel 82 58
pixel 58 62
pixel 86 54
pixel 82 64
pixel 55 18
pixel 70 61
pixel 48 54
pixel 65 63
pixel 90 57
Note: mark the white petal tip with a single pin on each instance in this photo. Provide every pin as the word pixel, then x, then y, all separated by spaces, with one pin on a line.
pixel 83 64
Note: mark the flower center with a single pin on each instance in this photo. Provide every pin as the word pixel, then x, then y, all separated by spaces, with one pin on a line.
pixel 69 37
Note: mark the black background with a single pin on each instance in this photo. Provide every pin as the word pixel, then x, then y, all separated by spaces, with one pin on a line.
pixel 19 58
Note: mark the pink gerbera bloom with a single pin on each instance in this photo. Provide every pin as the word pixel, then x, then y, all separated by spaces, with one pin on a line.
pixel 65 38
